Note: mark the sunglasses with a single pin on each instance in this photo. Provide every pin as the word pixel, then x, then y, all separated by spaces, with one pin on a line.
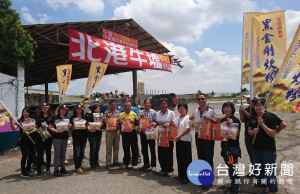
pixel 200 98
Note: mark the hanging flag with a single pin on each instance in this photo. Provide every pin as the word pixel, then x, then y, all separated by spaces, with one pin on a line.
pixel 96 73
pixel 268 50
pixel 3 114
pixel 64 73
pixel 87 48
pixel 285 93
pixel 246 57
pixel 4 119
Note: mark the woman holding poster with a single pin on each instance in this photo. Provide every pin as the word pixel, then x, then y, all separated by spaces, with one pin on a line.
pixel 263 128
pixel 27 134
pixel 231 149
pixel 79 135
pixel 60 140
pixel 183 142
pixel 44 140
pixel 95 135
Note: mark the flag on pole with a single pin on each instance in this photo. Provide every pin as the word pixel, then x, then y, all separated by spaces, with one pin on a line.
pixel 268 49
pixel 246 50
pixel 96 73
pixel 64 73
pixel 285 93
pixel 4 119
pixel 3 114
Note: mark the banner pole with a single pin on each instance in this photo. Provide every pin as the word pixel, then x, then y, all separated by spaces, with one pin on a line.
pixel 241 94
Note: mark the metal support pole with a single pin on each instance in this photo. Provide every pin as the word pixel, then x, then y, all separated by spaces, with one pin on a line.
pixel 46 93
pixel 134 82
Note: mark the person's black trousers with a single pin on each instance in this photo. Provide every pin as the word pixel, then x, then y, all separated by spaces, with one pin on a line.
pixel 145 143
pixel 79 143
pixel 233 176
pixel 42 147
pixel 129 141
pixel 205 150
pixel 184 157
pixel 27 155
pixel 165 157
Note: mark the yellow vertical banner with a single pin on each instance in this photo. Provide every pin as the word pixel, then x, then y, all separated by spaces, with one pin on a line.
pixel 268 49
pixel 96 73
pixel 64 73
pixel 246 48
pixel 285 93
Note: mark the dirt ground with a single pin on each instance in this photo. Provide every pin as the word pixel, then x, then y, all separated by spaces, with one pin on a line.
pixel 116 180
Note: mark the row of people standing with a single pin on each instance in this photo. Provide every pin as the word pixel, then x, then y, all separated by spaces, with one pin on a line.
pixel 30 138
pixel 161 119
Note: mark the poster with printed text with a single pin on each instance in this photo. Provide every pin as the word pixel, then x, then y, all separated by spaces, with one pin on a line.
pixel 268 49
pixel 285 93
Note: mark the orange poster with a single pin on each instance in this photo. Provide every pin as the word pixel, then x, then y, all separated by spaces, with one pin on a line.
pixel 172 132
pixel 126 125
pixel 144 123
pixel 204 131
pixel 216 132
pixel 111 123
pixel 162 139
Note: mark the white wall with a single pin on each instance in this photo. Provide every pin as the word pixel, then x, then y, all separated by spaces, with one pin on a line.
pixel 12 92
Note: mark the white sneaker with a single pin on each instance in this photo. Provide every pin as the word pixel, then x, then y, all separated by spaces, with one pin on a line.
pixel 169 173
pixel 134 167
pixel 124 166
pixel 153 169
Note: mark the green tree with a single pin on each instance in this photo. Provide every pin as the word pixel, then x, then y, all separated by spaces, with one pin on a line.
pixel 212 94
pixel 245 90
pixel 199 92
pixel 16 45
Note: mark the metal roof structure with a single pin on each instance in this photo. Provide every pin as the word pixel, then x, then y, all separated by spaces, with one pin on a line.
pixel 53 47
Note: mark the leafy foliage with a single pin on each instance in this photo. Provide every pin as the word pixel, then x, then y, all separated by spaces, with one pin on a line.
pixel 16 45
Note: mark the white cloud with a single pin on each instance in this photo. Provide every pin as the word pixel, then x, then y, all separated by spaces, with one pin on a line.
pixel 87 6
pixel 292 19
pixel 182 20
pixel 26 15
pixel 217 71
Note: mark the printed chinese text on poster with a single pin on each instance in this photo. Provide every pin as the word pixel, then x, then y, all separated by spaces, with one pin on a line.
pixel 269 49
pixel 87 48
pixel 285 93
pixel 64 73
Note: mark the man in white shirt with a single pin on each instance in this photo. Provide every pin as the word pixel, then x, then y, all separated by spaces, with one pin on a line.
pixel 205 148
pixel 165 154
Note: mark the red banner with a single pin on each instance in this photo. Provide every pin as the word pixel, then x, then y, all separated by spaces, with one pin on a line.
pixel 87 48
pixel 119 38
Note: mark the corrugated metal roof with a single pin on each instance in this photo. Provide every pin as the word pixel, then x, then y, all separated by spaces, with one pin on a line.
pixel 53 49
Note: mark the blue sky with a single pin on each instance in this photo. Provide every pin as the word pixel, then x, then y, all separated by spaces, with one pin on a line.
pixel 206 35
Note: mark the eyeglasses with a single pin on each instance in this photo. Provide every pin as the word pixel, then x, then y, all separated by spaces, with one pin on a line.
pixel 200 98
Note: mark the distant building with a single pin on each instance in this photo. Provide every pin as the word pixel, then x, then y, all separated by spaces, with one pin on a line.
pixel 220 94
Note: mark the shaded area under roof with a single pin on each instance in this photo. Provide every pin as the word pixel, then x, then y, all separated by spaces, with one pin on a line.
pixel 53 47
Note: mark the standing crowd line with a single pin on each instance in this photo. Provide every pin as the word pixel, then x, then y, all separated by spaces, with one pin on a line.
pixel 261 127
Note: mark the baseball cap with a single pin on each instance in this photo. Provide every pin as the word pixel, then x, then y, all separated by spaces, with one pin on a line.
pixel 79 106
pixel 45 104
pixel 64 107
